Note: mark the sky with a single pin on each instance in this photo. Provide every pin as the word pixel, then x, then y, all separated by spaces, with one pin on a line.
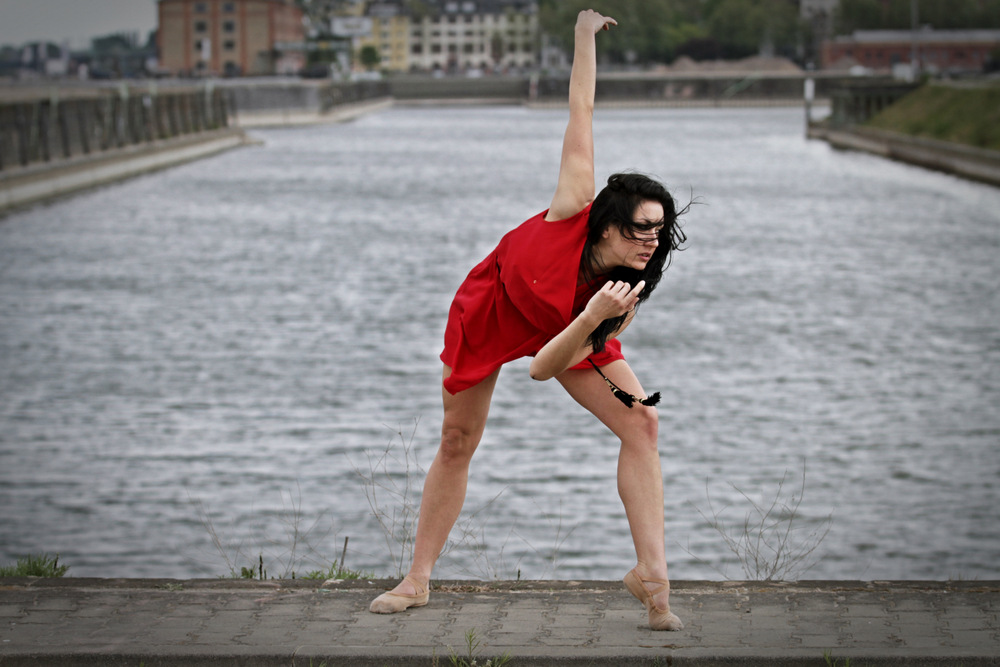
pixel 74 20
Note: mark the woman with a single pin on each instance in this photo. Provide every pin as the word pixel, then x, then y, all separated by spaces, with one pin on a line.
pixel 561 287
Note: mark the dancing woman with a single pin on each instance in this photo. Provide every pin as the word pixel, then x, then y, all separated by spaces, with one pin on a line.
pixel 561 287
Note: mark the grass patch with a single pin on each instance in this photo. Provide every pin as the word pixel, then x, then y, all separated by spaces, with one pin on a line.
pixel 35 566
pixel 471 658
pixel 961 114
pixel 337 572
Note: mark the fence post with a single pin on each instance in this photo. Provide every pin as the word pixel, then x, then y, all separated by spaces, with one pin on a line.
pixel 172 115
pixel 60 118
pixel 44 115
pixel 21 121
pixel 84 112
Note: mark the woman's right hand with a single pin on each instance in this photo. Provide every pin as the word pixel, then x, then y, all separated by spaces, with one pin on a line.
pixel 614 300
pixel 590 19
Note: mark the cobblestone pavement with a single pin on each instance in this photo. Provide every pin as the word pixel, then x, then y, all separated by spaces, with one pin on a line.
pixel 226 622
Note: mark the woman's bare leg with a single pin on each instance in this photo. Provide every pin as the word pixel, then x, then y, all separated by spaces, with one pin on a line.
pixel 465 416
pixel 640 481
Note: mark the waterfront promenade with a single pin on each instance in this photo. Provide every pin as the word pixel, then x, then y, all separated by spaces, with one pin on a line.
pixel 300 622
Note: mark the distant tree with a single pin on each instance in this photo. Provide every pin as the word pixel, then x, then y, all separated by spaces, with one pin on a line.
pixel 738 27
pixel 369 57
pixel 704 48
pixel 851 15
pixel 648 31
pixel 854 15
pixel 747 27
pixel 653 31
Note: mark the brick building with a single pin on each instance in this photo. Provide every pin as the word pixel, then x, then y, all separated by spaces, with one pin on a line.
pixel 229 37
pixel 935 50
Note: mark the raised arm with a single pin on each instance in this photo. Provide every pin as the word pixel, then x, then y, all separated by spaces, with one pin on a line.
pixel 575 188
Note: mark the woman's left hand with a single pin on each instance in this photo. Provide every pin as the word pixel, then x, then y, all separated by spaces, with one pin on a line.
pixel 594 22
pixel 614 300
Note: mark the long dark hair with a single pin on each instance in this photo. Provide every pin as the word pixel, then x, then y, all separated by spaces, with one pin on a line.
pixel 616 205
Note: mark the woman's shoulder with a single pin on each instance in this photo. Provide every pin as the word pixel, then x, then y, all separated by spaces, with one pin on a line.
pixel 553 215
pixel 539 229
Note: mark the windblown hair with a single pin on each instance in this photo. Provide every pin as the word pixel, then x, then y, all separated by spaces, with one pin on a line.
pixel 616 205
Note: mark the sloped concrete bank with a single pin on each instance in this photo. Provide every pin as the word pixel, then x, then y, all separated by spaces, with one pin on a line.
pixel 292 116
pixel 976 164
pixel 40 182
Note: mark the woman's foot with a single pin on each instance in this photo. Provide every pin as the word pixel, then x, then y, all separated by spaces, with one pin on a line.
pixel 655 595
pixel 409 593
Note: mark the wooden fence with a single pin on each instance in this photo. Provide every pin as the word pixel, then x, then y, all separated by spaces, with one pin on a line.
pixel 45 130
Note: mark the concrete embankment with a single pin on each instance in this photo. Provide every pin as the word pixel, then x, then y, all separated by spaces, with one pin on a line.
pixel 302 622
pixel 58 140
pixel 965 161
pixel 40 182
pixel 291 116
pixel 283 102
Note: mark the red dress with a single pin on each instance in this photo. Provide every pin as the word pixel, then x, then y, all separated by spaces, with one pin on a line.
pixel 517 299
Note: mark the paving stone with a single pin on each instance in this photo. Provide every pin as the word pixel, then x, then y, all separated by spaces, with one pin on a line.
pixel 537 623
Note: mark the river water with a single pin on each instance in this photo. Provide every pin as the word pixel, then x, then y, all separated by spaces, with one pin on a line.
pixel 201 367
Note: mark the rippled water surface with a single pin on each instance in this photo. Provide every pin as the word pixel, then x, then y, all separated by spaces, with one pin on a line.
pixel 215 352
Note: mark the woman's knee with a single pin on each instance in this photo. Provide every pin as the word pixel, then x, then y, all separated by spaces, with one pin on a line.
pixel 644 430
pixel 458 444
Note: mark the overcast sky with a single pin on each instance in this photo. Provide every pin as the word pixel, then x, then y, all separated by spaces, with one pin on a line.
pixel 74 20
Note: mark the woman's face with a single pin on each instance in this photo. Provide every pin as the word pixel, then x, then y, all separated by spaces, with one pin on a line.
pixel 635 247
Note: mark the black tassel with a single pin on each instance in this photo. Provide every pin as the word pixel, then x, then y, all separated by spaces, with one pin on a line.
pixel 628 399
pixel 652 400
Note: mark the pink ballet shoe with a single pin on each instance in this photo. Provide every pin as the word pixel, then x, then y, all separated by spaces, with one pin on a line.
pixel 390 603
pixel 659 619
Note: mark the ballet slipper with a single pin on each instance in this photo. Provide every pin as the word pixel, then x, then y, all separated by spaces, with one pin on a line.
pixel 659 619
pixel 390 603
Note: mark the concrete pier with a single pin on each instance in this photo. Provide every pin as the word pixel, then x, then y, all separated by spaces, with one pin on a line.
pixel 245 622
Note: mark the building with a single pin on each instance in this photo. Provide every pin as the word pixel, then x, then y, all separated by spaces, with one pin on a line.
pixel 934 50
pixel 476 35
pixel 230 37
pixel 389 27
pixel 454 35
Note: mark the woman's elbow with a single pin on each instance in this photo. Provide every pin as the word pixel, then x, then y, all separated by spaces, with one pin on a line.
pixel 538 373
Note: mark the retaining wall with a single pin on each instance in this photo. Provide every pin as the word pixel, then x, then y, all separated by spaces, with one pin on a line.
pixel 264 102
pixel 37 129
pixel 58 140
pixel 730 89
pixel 966 161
